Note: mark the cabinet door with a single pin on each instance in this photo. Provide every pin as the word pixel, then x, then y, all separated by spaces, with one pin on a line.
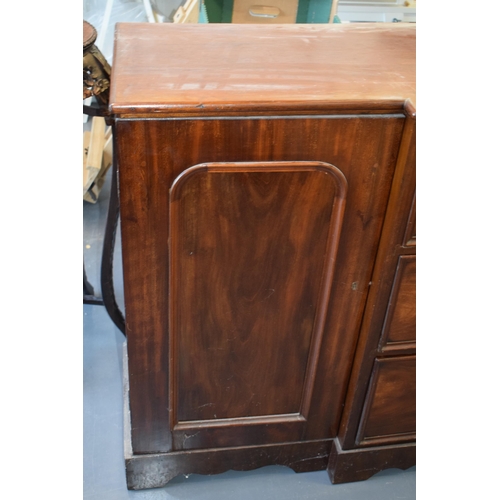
pixel 248 246
pixel 253 249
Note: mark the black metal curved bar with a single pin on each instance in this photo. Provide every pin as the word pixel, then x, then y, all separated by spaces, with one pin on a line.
pixel 107 288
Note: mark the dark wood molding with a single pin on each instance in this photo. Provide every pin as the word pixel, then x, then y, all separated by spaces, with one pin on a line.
pixel 399 327
pixel 389 252
pixel 156 470
pixel 345 466
pixel 389 411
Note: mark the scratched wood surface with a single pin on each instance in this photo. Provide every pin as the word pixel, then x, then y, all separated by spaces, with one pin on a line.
pixel 152 154
pixel 248 250
pixel 346 466
pixel 253 248
pixel 186 69
pixel 393 246
pixel 218 94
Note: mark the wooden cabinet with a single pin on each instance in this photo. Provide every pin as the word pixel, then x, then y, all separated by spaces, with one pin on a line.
pixel 256 189
pixel 378 428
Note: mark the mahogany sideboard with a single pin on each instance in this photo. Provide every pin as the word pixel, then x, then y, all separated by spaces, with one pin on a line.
pixel 267 198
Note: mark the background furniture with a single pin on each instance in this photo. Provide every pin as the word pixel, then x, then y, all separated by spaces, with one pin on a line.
pixel 270 11
pixel 264 181
pixel 96 82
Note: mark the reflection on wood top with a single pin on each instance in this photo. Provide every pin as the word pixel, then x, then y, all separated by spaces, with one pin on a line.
pixel 177 69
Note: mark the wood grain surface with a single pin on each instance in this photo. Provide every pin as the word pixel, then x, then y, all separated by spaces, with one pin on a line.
pixel 345 466
pixel 393 247
pixel 155 471
pixel 389 415
pixel 169 68
pixel 400 323
pixel 253 249
pixel 248 253
pixel 152 154
pixel 256 282
pixel 411 230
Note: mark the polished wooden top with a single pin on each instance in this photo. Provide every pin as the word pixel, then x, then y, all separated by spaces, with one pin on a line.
pixel 169 69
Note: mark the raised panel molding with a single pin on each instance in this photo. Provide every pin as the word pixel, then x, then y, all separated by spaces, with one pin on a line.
pixel 258 238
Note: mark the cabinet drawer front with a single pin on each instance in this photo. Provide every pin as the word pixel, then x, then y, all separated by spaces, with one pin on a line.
pixel 400 322
pixel 410 239
pixel 390 406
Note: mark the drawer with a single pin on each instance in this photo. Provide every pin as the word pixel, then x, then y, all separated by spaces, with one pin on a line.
pixel 399 327
pixel 410 239
pixel 389 412
pixel 266 12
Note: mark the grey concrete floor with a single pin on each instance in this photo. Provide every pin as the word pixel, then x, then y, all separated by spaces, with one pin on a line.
pixel 103 463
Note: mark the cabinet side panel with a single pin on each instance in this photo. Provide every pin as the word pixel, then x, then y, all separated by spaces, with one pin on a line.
pixel 143 184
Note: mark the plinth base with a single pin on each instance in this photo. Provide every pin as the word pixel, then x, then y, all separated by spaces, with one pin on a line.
pixel 346 466
pixel 156 470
